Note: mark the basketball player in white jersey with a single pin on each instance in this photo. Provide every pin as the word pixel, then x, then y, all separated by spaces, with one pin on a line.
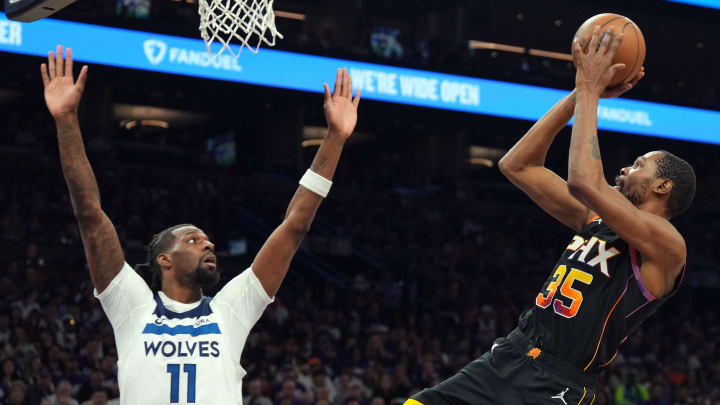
pixel 177 346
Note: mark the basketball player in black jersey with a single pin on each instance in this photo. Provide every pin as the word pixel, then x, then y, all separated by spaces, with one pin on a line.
pixel 625 260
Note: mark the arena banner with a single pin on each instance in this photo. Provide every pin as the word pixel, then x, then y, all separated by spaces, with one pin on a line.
pixel 701 3
pixel 187 56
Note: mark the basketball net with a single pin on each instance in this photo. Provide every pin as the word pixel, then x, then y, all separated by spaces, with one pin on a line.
pixel 241 20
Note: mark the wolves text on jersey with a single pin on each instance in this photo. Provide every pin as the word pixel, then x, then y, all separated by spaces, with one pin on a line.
pixel 182 348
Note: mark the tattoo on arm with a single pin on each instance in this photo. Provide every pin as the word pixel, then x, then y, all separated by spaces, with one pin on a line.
pixel 66 127
pixel 79 177
pixel 319 164
pixel 595 147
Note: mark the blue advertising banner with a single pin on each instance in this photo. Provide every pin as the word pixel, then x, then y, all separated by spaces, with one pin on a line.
pixel 701 3
pixel 186 56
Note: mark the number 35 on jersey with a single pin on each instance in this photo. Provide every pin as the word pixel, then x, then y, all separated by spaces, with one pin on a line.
pixel 567 279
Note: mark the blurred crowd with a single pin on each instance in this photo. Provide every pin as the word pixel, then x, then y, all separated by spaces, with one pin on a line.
pixel 446 268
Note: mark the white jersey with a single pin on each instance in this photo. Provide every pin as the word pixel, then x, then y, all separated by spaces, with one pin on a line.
pixel 175 353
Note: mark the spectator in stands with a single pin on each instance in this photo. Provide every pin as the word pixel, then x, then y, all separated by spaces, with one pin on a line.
pixel 42 388
pixel 9 374
pixel 99 397
pixel 321 382
pixel 288 395
pixel 73 374
pixel 356 393
pixel 62 395
pixel 658 396
pixel 17 393
pixel 255 394
pixel 631 392
pixel 4 331
pixel 387 389
pixel 94 383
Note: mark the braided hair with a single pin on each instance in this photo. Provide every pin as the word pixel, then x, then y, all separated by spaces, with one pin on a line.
pixel 150 271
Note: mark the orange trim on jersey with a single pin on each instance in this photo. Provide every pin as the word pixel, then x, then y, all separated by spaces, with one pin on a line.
pixel 592 219
pixel 604 325
pixel 613 358
pixel 591 402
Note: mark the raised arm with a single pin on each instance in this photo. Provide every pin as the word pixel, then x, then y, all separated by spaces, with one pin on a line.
pixel 62 96
pixel 661 245
pixel 524 166
pixel 273 260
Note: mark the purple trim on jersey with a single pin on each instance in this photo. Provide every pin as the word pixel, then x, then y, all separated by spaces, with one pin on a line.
pixel 638 308
pixel 636 270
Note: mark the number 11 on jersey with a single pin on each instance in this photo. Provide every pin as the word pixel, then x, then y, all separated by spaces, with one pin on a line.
pixel 174 370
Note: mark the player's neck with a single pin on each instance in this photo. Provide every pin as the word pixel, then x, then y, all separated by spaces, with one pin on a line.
pixel 656 207
pixel 182 294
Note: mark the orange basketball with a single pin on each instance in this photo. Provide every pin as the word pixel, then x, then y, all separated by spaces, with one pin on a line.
pixel 632 49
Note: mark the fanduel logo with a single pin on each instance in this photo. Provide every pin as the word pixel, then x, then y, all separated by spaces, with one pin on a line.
pixel 622 115
pixel 154 50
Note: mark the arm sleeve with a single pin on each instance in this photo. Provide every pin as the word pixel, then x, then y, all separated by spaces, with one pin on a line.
pixel 126 293
pixel 245 298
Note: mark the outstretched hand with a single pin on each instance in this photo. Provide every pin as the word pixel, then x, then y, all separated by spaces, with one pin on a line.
pixel 341 107
pixel 595 68
pixel 620 89
pixel 62 93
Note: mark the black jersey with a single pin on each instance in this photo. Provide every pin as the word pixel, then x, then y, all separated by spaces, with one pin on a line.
pixel 592 301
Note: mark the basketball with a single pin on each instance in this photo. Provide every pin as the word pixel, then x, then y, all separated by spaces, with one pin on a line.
pixel 632 49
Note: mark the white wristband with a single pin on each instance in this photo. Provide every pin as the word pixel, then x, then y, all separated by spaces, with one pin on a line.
pixel 316 183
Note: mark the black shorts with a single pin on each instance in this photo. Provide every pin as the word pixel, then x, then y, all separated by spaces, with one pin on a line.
pixel 514 372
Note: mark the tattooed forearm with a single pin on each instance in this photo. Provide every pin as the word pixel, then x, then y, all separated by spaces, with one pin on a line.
pixel 79 177
pixel 595 147
pixel 318 164
pixel 305 203
pixel 102 247
pixel 65 127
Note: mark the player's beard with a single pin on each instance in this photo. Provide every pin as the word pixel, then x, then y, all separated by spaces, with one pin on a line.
pixel 206 278
pixel 636 197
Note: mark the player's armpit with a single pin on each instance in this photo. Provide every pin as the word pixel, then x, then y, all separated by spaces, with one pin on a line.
pixel 661 246
pixel 102 247
pixel 550 192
